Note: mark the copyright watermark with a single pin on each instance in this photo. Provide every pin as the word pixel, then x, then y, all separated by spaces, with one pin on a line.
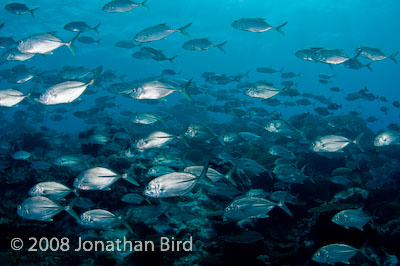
pixel 17 244
pixel 64 244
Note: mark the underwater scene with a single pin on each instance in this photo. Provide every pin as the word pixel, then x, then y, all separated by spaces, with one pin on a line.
pixel 230 132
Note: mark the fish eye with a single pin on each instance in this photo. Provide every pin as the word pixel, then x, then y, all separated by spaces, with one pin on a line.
pixel 134 90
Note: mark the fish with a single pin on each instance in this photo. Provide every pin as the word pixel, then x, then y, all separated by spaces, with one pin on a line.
pixel 212 174
pixel 351 218
pixel 202 45
pixel 21 155
pixel 51 190
pixel 102 219
pixel 121 6
pixel 375 54
pixel 80 26
pixel 334 253
pixel 268 70
pixel 44 43
pixel 65 92
pixel 88 40
pixel 262 91
pixel 156 139
pixel 13 54
pixel 158 32
pixel 174 184
pixel 11 97
pixel 40 208
pixel 387 138
pixel 281 127
pixel 19 9
pixel 256 25
pixel 282 152
pixel 156 90
pixel 334 143
pixel 333 57
pixel 132 198
pixel 99 178
pixel 159 170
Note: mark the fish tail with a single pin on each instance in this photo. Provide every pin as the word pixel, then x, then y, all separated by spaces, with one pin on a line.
pixel 393 57
pixel 183 140
pixel 357 142
pixel 71 211
pixel 228 176
pixel 183 29
pixel 33 10
pixel 129 179
pixel 96 27
pixel 281 70
pixel 144 4
pixel 172 59
pixel 125 223
pixel 281 204
pixel 369 66
pixel 279 28
pixel 219 46
pixel 184 91
pixel 98 41
pixel 70 43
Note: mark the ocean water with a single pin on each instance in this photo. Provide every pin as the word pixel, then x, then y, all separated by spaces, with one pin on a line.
pixel 294 140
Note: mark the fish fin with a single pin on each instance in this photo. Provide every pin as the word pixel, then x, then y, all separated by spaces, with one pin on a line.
pixel 369 66
pixel 125 223
pixel 70 43
pixel 228 176
pixel 219 46
pixel 98 41
pixel 183 140
pixel 144 4
pixel 184 92
pixel 183 29
pixel 281 204
pixel 33 10
pixel 96 27
pixel 203 176
pixel 71 211
pixel 172 59
pixel 279 28
pixel 393 57
pixel 130 179
pixel 357 142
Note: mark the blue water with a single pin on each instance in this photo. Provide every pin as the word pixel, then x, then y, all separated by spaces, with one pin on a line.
pixel 339 24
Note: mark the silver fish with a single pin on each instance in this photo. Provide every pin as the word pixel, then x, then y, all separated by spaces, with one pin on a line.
pixel 65 92
pixel 158 32
pixel 40 208
pixel 387 138
pixel 156 139
pixel 104 219
pixel 174 184
pixel 333 143
pixel 156 90
pixel 120 6
pixel 351 218
pixel 99 178
pixel 261 91
pixel 52 190
pixel 44 43
pixel 201 45
pixel 255 25
pixel 11 97
pixel 334 253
